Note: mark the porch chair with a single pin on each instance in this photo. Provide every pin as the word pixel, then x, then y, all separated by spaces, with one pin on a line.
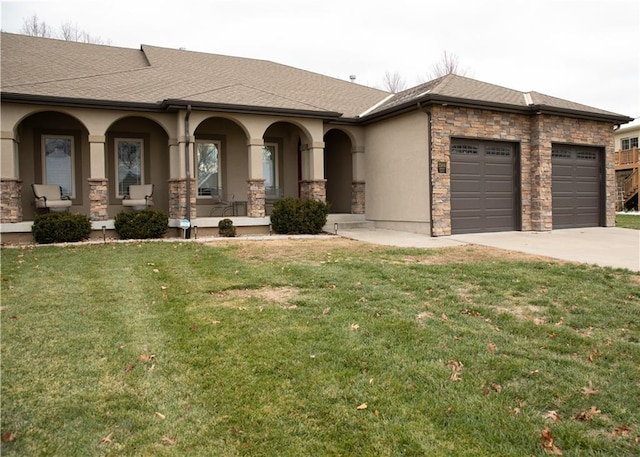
pixel 49 196
pixel 139 196
pixel 222 208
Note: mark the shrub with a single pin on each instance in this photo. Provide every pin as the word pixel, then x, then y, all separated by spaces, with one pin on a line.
pixel 226 228
pixel 299 216
pixel 143 224
pixel 57 227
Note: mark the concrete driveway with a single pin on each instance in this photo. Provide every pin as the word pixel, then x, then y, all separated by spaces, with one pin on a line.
pixel 603 246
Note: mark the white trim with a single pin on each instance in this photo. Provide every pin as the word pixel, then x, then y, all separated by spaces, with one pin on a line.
pixel 364 113
pixel 117 162
pixel 527 99
pixel 44 137
pixel 218 144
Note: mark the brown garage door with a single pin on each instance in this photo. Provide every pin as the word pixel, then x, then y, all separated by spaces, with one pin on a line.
pixel 576 183
pixel 483 186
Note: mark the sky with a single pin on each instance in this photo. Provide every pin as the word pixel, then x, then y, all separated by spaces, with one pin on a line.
pixel 586 51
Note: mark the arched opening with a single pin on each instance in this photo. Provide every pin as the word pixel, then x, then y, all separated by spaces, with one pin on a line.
pixel 53 149
pixel 220 168
pixel 338 168
pixel 282 162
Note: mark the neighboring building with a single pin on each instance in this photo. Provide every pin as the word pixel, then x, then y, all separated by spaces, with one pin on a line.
pixel 453 155
pixel 627 164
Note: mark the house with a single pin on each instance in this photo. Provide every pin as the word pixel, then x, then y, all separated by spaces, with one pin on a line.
pixel 627 164
pixel 453 155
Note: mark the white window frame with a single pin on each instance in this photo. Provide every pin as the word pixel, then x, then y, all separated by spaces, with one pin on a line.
pixel 276 177
pixel 624 141
pixel 218 144
pixel 45 180
pixel 117 142
pixel 633 142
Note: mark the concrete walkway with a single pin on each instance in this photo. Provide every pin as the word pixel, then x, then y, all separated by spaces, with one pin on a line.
pixel 607 247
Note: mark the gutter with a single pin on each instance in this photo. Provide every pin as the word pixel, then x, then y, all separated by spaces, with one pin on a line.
pixel 187 165
pixel 430 167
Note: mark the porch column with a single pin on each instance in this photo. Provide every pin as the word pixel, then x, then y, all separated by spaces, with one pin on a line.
pixel 178 179
pixel 256 191
pixel 10 184
pixel 358 183
pixel 313 185
pixel 541 196
pixel 98 182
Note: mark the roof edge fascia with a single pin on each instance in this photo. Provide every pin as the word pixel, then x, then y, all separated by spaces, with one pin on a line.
pixel 77 102
pixel 175 104
pixel 435 99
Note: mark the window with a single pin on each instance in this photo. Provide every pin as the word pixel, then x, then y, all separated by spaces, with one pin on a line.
pixel 129 152
pixel 58 160
pixel 629 143
pixel 270 168
pixel 208 176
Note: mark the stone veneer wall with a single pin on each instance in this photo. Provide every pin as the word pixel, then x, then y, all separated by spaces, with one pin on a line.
pixel 314 190
pixel 255 205
pixel 535 136
pixel 178 198
pixel 98 199
pixel 10 200
pixel 358 197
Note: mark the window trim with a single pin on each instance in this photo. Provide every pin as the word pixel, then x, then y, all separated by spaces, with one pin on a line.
pixel 276 169
pixel 218 142
pixel 116 141
pixel 43 151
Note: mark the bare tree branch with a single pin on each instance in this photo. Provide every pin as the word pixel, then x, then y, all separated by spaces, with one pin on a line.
pixel 32 26
pixel 448 64
pixel 393 82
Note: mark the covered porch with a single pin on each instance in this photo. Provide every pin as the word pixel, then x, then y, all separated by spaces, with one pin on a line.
pixel 237 165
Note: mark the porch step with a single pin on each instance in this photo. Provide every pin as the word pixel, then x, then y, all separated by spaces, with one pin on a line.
pixel 346 222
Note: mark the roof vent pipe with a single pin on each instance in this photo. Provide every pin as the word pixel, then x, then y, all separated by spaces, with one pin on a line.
pixel 352 78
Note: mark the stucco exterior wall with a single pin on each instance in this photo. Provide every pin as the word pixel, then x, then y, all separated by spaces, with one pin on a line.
pixel 397 172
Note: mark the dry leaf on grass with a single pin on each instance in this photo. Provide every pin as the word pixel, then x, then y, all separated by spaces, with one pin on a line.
pixel 8 437
pixel 588 415
pixel 155 270
pixel 492 347
pixel 107 439
pixel 326 310
pixel 168 441
pixel 547 442
pixel 456 370
pixel 354 327
pixel 160 415
pixel 362 406
pixel 621 431
pixel 553 415
pixel 589 390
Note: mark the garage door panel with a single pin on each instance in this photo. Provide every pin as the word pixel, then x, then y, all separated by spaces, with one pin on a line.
pixel 576 186
pixel 483 197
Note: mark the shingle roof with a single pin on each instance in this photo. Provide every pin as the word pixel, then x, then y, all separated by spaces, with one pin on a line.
pixel 454 88
pixel 54 68
pixel 149 76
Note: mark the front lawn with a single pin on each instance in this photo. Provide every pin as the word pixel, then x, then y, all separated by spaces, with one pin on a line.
pixel 631 221
pixel 315 348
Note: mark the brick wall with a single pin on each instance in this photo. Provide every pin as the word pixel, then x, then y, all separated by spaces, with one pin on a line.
pixel 10 200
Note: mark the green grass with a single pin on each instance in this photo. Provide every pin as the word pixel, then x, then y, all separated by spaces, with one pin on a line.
pixel 628 221
pixel 260 349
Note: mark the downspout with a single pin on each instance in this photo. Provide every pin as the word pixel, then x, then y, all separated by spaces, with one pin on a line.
pixel 429 154
pixel 187 164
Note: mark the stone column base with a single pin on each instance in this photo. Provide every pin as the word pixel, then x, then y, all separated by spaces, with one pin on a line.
pixel 314 190
pixel 10 200
pixel 357 197
pixel 256 198
pixel 98 199
pixel 178 198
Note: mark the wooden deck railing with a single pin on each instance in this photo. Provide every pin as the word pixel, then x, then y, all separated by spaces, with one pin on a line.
pixel 627 159
pixel 630 185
